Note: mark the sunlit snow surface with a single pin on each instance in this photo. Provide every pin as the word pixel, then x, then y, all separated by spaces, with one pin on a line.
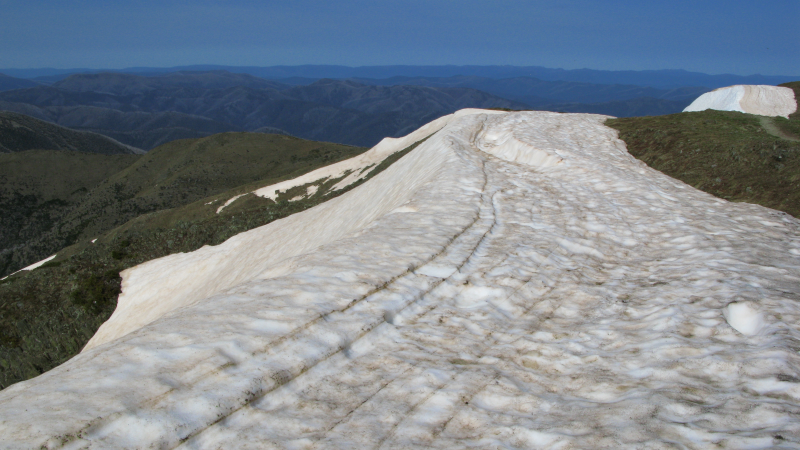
pixel 752 99
pixel 517 281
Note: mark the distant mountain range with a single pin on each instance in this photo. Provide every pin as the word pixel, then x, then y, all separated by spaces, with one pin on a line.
pixel 661 79
pixel 8 83
pixel 566 96
pixel 128 84
pixel 534 91
pixel 360 107
pixel 148 111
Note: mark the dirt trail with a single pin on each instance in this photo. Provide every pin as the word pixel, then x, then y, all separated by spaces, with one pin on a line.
pixel 769 126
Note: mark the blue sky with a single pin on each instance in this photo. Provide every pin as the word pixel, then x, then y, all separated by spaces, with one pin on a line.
pixel 733 36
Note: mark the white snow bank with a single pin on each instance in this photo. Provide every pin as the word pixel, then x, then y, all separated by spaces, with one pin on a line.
pixel 458 300
pixel 32 266
pixel 752 99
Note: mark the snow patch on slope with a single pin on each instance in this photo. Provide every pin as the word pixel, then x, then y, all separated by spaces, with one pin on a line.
pixel 352 169
pixel 35 265
pixel 752 99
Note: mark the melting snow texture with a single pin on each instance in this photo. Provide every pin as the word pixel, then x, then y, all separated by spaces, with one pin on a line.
pixel 752 99
pixel 517 281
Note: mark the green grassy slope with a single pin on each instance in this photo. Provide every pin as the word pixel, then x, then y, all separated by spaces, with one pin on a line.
pixel 37 188
pixel 184 171
pixel 171 175
pixel 732 155
pixel 791 126
pixel 54 174
pixel 47 315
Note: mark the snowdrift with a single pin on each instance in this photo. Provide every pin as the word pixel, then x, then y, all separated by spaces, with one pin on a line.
pixel 761 100
pixel 516 281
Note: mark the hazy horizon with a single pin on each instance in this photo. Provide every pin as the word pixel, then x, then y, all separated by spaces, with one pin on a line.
pixel 212 66
pixel 715 37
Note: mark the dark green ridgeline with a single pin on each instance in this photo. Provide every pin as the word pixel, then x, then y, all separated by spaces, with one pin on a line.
pixel 19 132
pixel 735 156
pixel 47 315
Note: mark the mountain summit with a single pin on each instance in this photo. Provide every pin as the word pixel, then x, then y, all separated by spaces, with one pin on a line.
pixel 517 280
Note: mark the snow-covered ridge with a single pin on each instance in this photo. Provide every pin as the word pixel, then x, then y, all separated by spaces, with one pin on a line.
pixel 350 170
pixel 752 99
pixel 516 281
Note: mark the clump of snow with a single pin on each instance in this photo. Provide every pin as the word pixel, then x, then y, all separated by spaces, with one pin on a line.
pixel 744 318
pixel 460 299
pixel 752 99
